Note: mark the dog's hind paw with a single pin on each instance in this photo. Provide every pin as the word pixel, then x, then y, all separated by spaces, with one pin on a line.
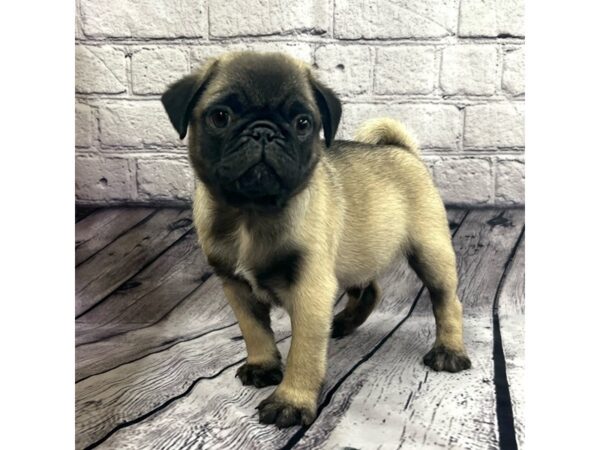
pixel 442 358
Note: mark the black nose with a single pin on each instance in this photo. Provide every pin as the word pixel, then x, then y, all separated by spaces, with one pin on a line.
pixel 262 133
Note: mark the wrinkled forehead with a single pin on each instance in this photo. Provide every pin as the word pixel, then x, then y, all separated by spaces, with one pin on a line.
pixel 265 80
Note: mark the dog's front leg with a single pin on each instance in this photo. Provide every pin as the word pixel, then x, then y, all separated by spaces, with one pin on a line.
pixel 263 364
pixel 310 305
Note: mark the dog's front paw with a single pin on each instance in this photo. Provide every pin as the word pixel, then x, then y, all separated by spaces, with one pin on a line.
pixel 442 358
pixel 260 375
pixel 281 412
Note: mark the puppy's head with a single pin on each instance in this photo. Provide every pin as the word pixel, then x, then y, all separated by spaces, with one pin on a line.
pixel 254 121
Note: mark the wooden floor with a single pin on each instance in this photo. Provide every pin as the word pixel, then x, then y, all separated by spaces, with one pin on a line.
pixel 158 347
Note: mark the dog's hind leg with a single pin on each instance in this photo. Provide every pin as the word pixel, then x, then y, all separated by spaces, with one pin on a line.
pixel 361 302
pixel 434 262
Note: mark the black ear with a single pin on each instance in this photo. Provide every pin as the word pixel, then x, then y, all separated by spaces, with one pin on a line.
pixel 330 108
pixel 181 97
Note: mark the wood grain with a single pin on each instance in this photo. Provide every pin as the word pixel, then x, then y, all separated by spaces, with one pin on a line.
pixel 482 251
pixel 99 229
pixel 204 310
pixel 101 274
pixel 151 294
pixel 181 421
pixel 511 310
pixel 86 333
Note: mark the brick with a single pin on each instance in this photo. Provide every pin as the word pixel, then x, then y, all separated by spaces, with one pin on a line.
pixel 510 182
pixel 469 70
pixel 387 19
pixel 98 178
pixel 200 54
pixel 348 70
pixel 136 123
pixel 494 125
pixel 434 126
pixel 405 70
pixel 78 23
pixel 84 125
pixel 143 18
pixel 267 18
pixel 99 70
pixel 153 69
pixel 513 73
pixel 464 181
pixel 164 180
pixel 492 18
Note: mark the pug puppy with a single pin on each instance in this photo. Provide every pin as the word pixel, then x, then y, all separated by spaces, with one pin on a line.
pixel 287 219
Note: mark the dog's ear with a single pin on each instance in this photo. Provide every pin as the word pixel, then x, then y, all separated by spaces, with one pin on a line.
pixel 181 97
pixel 330 108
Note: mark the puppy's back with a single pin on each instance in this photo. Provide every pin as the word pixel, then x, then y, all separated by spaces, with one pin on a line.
pixel 388 192
pixel 384 153
pixel 370 167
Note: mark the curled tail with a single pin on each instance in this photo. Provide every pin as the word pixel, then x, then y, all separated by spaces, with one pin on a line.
pixel 386 131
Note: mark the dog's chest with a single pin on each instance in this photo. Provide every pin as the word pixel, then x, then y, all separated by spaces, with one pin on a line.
pixel 268 267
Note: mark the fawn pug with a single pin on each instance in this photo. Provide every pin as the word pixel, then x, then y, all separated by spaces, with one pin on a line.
pixel 287 219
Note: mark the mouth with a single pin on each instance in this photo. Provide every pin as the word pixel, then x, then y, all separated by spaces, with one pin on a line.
pixel 260 184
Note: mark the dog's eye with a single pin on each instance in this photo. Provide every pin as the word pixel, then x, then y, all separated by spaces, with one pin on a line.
pixel 219 118
pixel 303 124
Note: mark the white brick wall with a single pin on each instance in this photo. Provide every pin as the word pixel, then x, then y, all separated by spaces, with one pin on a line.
pixel 405 70
pixel 452 70
pixel 469 70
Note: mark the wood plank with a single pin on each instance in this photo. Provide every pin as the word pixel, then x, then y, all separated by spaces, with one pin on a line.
pixel 512 296
pixel 203 310
pixel 151 294
pixel 511 309
pixel 82 212
pixel 238 423
pixel 99 229
pixel 482 252
pixel 86 333
pixel 400 401
pixel 100 275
